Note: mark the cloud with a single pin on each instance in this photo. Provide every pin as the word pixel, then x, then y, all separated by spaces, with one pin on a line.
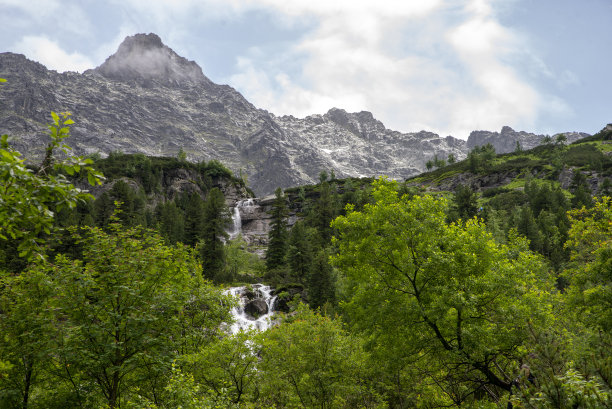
pixel 448 66
pixel 499 96
pixel 51 55
pixel 66 17
pixel 32 7
pixel 415 65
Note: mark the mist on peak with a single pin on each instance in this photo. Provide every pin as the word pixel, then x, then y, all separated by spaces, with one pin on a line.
pixel 146 57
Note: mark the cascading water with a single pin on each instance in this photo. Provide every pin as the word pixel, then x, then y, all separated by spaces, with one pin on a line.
pixel 236 223
pixel 236 228
pixel 255 308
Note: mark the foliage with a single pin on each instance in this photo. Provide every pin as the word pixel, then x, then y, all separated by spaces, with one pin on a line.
pixel 240 264
pixel 25 324
pixel 309 361
pixel 480 158
pixel 29 199
pixel 465 203
pixel 300 252
pixel 585 155
pixel 464 300
pixel 227 367
pixel 321 281
pixel 277 237
pixel 183 392
pixel 216 218
pixel 120 307
pixel 590 271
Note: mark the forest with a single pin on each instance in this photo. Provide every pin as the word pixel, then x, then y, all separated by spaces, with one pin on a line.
pixel 398 294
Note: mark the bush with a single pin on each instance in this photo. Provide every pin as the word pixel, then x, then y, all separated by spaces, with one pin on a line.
pixel 584 155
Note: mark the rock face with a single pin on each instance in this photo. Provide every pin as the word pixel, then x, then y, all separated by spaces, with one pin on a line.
pixel 505 141
pixel 147 99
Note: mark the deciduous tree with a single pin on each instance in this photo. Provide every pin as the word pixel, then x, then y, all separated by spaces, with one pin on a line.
pixel 448 293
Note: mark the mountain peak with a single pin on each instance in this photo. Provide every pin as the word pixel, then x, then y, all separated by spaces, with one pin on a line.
pixel 145 57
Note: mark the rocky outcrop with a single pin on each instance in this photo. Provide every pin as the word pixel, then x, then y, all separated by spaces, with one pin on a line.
pixel 506 140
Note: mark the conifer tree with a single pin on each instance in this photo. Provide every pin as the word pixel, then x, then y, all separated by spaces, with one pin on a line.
pixel 277 237
pixel 299 253
pixel 324 213
pixel 581 190
pixel 216 218
pixel 465 203
pixel 321 287
pixel 193 219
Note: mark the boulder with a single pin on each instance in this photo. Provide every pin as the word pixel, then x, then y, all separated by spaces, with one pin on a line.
pixel 256 308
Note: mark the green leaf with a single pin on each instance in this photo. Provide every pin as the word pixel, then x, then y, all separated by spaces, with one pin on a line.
pixel 91 179
pixel 55 117
pixel 68 122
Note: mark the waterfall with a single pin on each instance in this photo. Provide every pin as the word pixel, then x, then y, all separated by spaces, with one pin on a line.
pixel 255 307
pixel 236 228
pixel 236 223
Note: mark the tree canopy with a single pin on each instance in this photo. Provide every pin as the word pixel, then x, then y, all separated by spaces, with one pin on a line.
pixel 465 301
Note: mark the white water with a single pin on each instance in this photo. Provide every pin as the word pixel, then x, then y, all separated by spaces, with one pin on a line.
pixel 242 320
pixel 236 228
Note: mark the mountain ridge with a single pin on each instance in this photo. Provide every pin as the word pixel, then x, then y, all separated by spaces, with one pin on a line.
pixel 162 103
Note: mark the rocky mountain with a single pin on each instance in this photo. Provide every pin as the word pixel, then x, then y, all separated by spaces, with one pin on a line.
pixel 505 141
pixel 147 99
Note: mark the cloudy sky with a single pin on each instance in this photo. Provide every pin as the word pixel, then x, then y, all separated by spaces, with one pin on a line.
pixel 448 66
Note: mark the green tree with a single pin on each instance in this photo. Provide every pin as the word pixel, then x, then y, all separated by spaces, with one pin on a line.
pixel 447 293
pixel 518 148
pixel 128 307
pixel 465 203
pixel 438 163
pixel 171 222
pixel 561 139
pixel 216 219
pixel 300 252
pixel 589 296
pixel 309 361
pixel 194 219
pixel 451 158
pixel 589 273
pixel 228 362
pixel 239 261
pixel 30 198
pixel 277 237
pixel 581 190
pixel 181 155
pixel 321 282
pixel 26 325
pixel 324 211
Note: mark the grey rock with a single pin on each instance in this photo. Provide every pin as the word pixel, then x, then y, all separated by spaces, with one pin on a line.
pixel 505 140
pixel 256 308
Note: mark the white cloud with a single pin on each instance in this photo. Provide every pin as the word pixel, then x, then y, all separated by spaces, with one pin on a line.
pixel 32 7
pixel 362 56
pixel 51 55
pixel 62 17
pixel 441 65
pixel 369 57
